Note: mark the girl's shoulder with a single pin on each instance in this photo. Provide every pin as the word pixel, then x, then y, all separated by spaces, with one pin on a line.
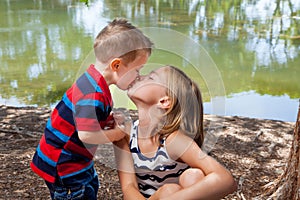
pixel 177 136
pixel 177 142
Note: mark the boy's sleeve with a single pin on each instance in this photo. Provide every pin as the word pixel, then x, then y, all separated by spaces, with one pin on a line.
pixel 91 112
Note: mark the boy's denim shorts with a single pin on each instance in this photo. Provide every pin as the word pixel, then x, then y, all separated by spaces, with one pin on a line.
pixel 79 187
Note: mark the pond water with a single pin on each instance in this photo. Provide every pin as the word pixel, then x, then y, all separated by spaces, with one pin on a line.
pixel 251 48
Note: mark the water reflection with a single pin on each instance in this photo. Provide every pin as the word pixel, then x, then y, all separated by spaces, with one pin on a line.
pixel 90 18
pixel 255 44
pixel 39 50
pixel 252 104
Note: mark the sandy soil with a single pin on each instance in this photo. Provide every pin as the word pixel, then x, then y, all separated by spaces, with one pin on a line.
pixel 254 150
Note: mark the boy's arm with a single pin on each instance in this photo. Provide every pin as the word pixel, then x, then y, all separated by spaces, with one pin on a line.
pixel 101 136
pixel 117 126
pixel 218 181
pixel 126 171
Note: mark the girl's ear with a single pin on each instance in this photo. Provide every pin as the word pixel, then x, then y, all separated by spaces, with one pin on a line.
pixel 164 102
pixel 115 64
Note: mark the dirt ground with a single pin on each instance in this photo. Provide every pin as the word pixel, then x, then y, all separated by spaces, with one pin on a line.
pixel 254 150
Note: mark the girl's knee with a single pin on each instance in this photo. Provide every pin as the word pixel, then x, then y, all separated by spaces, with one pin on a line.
pixel 190 177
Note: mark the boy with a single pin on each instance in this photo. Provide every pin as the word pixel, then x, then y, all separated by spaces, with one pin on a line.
pixel 64 156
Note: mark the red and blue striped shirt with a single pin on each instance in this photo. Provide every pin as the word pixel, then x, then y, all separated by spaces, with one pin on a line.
pixel 84 107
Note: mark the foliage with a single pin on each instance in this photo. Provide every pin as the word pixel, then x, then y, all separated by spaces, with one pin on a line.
pixel 86 2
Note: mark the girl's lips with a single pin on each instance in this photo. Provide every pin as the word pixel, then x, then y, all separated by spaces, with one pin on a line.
pixel 133 83
pixel 130 86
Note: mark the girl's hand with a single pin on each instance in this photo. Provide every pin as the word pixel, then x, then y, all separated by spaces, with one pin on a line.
pixel 122 119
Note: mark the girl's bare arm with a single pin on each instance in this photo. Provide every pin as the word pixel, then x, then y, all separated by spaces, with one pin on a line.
pixel 217 182
pixel 126 171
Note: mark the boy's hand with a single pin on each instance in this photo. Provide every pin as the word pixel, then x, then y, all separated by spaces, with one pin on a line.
pixel 119 134
pixel 122 119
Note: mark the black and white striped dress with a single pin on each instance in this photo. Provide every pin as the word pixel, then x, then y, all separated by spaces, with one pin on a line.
pixel 153 172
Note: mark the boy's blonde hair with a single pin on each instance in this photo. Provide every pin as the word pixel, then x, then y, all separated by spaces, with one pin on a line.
pixel 186 110
pixel 120 39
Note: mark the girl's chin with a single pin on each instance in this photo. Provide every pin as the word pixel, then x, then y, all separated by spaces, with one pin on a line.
pixel 131 91
pixel 130 95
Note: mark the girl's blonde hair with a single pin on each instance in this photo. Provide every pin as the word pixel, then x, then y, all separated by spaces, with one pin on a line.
pixel 186 110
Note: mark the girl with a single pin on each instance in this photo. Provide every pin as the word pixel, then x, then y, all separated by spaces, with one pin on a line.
pixel 165 160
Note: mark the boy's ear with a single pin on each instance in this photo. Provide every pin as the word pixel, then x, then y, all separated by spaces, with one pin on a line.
pixel 115 64
pixel 164 102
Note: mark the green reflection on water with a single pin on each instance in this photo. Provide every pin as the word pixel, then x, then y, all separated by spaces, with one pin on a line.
pixel 255 45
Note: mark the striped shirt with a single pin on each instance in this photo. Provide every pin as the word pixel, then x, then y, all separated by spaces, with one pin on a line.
pixel 156 171
pixel 84 107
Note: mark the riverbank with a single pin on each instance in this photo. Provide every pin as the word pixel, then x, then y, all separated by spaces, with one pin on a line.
pixel 254 150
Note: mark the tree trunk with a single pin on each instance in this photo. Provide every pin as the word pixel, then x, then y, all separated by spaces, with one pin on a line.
pixel 288 186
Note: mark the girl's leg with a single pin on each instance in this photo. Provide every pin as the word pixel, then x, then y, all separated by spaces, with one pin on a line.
pixel 190 177
pixel 186 179
pixel 165 191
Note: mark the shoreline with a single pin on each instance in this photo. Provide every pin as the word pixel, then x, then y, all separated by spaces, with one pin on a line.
pixel 205 114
